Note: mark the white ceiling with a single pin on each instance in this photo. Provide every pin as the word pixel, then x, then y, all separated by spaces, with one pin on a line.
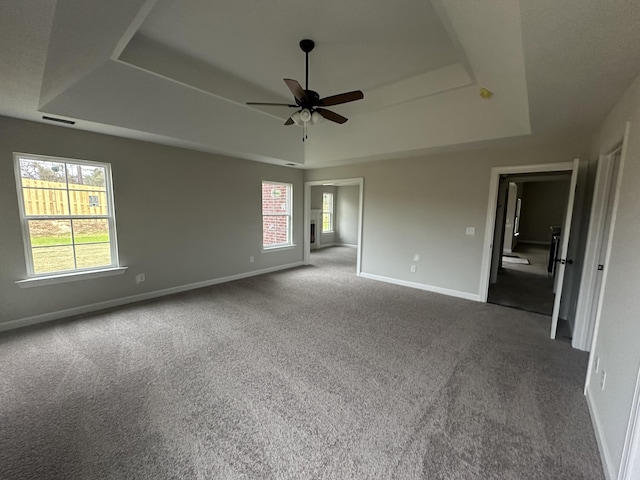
pixel 180 73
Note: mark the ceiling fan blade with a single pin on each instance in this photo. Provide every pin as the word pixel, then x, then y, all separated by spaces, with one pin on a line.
pixel 333 116
pixel 296 89
pixel 341 98
pixel 273 104
pixel 289 121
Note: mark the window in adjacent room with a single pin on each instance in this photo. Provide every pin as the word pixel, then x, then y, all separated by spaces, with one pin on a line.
pixel 66 210
pixel 327 212
pixel 276 214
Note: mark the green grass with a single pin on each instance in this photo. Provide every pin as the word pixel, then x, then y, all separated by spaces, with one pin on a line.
pixel 58 259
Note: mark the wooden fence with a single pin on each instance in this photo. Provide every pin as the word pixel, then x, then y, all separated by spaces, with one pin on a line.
pixel 51 198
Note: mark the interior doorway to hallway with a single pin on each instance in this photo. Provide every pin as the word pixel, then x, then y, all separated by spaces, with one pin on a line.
pixel 333 216
pixel 498 252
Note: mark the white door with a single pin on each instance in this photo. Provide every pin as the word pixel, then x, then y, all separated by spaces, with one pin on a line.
pixel 597 248
pixel 564 247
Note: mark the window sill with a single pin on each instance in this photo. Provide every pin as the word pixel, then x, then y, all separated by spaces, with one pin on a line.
pixel 278 248
pixel 69 277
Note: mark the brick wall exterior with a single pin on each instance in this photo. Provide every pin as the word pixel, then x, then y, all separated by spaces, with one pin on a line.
pixel 275 213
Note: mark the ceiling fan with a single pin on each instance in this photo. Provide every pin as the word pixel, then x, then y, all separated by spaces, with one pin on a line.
pixel 308 102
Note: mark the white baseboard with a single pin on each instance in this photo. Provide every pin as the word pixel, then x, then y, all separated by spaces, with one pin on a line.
pixel 350 245
pixel 421 286
pixel 69 312
pixel 603 448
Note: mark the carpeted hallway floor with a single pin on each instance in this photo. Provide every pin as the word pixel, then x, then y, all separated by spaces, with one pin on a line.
pixel 311 373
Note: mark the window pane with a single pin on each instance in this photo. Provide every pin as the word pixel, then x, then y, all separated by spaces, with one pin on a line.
pixel 42 201
pixel 91 231
pixel 93 255
pixel 268 230
pixel 49 232
pixel 87 177
pixel 275 199
pixel 327 202
pixel 52 259
pixel 275 230
pixel 326 222
pixel 85 202
pixel 282 230
pixel 41 173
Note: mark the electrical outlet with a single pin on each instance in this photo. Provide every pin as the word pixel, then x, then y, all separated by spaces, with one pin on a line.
pixel 140 278
pixel 603 379
pixel 251 259
pixel 471 231
pixel 413 269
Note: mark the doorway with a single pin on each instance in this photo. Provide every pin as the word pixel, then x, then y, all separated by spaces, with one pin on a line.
pixel 495 227
pixel 534 206
pixel 337 204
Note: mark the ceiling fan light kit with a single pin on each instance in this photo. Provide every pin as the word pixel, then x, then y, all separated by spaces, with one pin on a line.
pixel 308 102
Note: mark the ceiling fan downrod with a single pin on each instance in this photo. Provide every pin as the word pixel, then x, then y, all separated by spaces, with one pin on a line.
pixel 306 45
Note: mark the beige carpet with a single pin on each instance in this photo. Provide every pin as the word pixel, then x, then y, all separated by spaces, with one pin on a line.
pixel 311 373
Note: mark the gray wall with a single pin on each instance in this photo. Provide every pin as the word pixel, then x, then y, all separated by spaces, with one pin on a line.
pixel 423 205
pixel 618 332
pixel 182 217
pixel 543 205
pixel 347 214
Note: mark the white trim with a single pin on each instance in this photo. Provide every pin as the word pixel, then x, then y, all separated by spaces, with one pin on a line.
pixel 564 249
pixel 70 277
pixel 278 248
pixel 289 215
pixel 586 327
pixel 69 312
pixel 358 181
pixel 592 249
pixel 24 218
pixel 605 272
pixel 485 271
pixel 630 462
pixel 603 448
pixel 423 286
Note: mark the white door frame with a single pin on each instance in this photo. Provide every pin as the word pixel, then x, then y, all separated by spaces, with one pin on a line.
pixel 341 182
pixel 496 172
pixel 564 248
pixel 585 319
pixel 630 462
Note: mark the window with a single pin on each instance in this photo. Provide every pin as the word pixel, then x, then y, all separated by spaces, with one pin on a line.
pixel 276 214
pixel 516 223
pixel 66 210
pixel 327 212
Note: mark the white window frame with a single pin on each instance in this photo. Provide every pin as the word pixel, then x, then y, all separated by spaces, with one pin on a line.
pixel 289 243
pixel 330 213
pixel 47 278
